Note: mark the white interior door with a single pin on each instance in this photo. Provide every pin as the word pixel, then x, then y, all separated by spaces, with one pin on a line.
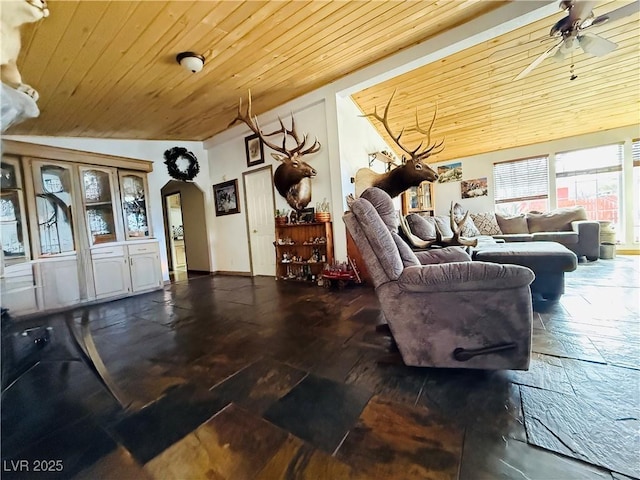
pixel 258 190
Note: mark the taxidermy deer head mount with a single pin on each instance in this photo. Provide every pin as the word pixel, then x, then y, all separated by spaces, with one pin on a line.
pixel 413 170
pixel 292 178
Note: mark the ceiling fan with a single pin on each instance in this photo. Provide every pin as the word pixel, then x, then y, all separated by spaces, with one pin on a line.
pixel 570 32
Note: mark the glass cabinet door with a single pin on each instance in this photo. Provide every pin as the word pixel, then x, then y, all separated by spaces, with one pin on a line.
pixel 134 205
pixel 98 204
pixel 54 200
pixel 14 237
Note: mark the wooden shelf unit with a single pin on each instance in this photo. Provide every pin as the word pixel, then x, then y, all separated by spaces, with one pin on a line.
pixel 303 244
pixel 419 199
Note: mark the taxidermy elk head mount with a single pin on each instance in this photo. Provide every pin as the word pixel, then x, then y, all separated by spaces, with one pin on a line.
pixel 413 170
pixel 292 178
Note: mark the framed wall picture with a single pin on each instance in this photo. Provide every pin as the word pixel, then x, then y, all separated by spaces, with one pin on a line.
pixel 226 198
pixel 254 149
pixel 307 215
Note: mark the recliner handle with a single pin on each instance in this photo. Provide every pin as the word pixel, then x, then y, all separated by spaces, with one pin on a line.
pixel 463 354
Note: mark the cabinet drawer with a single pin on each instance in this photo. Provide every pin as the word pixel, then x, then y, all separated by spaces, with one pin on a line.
pixel 107 252
pixel 147 247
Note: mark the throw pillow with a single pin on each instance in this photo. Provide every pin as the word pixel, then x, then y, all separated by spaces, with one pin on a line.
pixel 444 226
pixel 510 225
pixel 469 229
pixel 555 221
pixel 421 227
pixel 486 223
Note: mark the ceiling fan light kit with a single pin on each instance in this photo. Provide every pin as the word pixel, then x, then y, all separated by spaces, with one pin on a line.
pixel 569 30
pixel 190 61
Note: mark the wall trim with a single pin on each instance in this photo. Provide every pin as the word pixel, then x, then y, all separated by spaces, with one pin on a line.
pixel 227 272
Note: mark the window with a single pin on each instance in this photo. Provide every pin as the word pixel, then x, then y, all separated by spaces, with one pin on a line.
pixel 592 178
pixel 635 155
pixel 521 185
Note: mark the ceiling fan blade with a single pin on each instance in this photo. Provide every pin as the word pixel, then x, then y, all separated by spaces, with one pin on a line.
pixel 617 14
pixel 595 45
pixel 559 56
pixel 580 11
pixel 539 60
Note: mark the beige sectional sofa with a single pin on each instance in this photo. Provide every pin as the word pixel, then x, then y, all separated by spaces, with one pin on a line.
pixel 567 226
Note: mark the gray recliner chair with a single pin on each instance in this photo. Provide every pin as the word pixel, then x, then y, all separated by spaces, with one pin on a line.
pixel 442 309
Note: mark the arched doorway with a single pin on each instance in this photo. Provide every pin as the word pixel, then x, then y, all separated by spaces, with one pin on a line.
pixel 183 208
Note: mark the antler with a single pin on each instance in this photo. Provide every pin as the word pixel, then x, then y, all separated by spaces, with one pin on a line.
pixel 429 150
pixel 415 153
pixel 252 123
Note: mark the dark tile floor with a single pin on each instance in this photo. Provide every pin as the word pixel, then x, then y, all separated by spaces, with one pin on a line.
pixel 238 378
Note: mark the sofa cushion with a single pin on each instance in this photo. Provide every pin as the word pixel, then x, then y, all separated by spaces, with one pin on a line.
pixel 556 220
pixel 383 204
pixel 517 224
pixel 486 223
pixel 565 238
pixel 379 237
pixel 409 258
pixel 422 227
pixel 443 255
pixel 515 237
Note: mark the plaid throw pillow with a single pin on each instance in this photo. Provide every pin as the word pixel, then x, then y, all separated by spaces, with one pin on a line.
pixel 486 223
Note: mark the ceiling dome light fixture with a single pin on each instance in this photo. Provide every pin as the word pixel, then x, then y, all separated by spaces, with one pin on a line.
pixel 190 61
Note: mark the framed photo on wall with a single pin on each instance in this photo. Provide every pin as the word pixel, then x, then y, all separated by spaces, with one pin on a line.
pixel 254 150
pixel 307 215
pixel 225 195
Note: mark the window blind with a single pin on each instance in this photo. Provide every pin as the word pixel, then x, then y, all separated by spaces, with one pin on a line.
pixel 635 152
pixel 589 161
pixel 520 180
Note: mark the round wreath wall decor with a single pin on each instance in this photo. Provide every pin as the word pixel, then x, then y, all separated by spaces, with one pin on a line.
pixel 181 164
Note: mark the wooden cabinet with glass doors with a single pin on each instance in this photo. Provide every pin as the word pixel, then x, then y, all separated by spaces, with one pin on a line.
pixel 419 200
pixel 87 233
pixel 133 190
pixel 99 198
pixel 17 283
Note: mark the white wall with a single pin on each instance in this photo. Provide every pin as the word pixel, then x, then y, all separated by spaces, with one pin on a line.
pixel 229 242
pixel 479 166
pixel 151 150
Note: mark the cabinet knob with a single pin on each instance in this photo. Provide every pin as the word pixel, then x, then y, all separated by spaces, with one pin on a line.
pixel 255 231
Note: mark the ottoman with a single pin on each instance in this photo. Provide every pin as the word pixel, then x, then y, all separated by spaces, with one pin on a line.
pixel 548 260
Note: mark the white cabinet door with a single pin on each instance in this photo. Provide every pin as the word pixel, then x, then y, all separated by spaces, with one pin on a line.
pixel 110 271
pixel 144 262
pixel 59 282
pixel 17 289
pixel 145 273
pixel 111 276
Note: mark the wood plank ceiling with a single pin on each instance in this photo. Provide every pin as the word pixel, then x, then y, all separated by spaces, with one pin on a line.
pixel 482 109
pixel 107 68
